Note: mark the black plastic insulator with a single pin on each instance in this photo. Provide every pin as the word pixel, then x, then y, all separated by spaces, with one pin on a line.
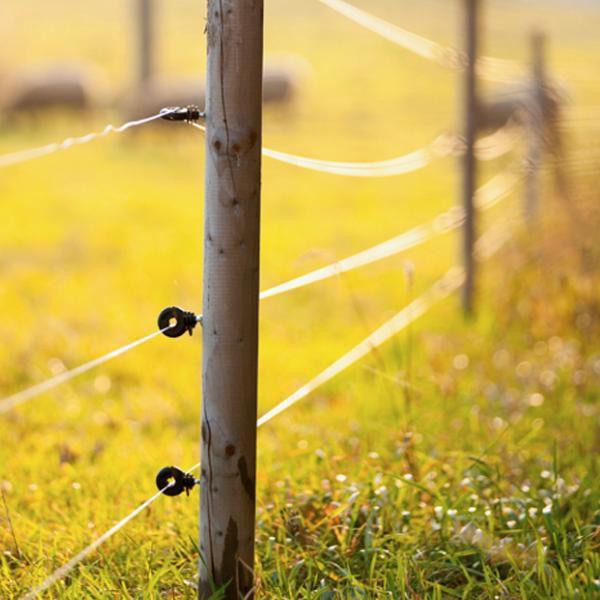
pixel 173 481
pixel 189 113
pixel 184 321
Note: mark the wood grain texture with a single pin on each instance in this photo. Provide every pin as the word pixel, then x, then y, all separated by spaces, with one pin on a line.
pixel 231 288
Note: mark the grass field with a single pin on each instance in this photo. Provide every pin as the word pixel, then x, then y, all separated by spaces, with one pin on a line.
pixel 458 461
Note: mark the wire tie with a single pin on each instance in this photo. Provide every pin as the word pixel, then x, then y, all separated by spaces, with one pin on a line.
pixel 173 481
pixel 174 321
pixel 189 114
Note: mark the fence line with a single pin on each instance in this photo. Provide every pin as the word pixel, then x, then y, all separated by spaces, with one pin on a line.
pixel 487 196
pixel 493 69
pixel 14 158
pixel 487 245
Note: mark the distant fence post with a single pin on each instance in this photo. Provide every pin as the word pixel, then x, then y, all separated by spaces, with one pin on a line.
pixel 231 288
pixel 146 31
pixel 470 120
pixel 536 126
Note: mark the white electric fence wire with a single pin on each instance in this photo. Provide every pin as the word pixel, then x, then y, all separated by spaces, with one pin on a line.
pixel 26 155
pixel 488 148
pixel 487 196
pixel 450 282
pixel 487 245
pixel 63 571
pixel 19 398
pixel 385 168
pixel 493 69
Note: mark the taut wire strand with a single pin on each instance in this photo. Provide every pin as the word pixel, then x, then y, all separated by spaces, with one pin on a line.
pixel 63 571
pixel 493 69
pixel 488 148
pixel 26 155
pixel 450 282
pixel 487 245
pixel 19 398
pixel 487 196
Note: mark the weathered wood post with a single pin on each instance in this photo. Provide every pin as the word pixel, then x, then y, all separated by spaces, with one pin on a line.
pixel 146 30
pixel 470 119
pixel 231 288
pixel 536 127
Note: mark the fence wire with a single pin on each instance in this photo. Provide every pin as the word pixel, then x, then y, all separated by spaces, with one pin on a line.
pixel 15 158
pixel 490 68
pixel 19 398
pixel 488 148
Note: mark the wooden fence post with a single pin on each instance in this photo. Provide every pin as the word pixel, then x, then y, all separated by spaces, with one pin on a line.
pixel 231 288
pixel 470 119
pixel 536 127
pixel 146 31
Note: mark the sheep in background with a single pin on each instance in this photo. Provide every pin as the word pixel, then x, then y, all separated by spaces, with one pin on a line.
pixel 515 104
pixel 282 80
pixel 56 86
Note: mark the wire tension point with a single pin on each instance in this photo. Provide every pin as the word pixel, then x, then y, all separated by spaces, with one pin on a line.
pixel 172 481
pixel 188 114
pixel 174 321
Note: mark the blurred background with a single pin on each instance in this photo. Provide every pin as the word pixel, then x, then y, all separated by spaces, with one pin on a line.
pixel 97 239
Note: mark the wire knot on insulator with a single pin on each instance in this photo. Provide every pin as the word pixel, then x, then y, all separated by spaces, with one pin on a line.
pixel 189 114
pixel 172 481
pixel 174 321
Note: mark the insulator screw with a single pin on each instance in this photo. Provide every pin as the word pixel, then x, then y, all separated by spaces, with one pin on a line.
pixel 173 481
pixel 189 113
pixel 183 321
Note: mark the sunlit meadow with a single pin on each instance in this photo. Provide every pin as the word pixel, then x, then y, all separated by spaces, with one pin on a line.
pixel 459 461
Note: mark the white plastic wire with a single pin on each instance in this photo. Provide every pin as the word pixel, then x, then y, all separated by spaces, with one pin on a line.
pixel 63 571
pixel 493 69
pixel 385 168
pixel 19 398
pixel 486 197
pixel 488 148
pixel 487 245
pixel 410 41
pixel 26 155
pixel 450 282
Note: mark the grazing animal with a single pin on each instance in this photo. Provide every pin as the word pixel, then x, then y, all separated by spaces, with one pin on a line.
pixel 514 104
pixel 281 84
pixel 64 87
